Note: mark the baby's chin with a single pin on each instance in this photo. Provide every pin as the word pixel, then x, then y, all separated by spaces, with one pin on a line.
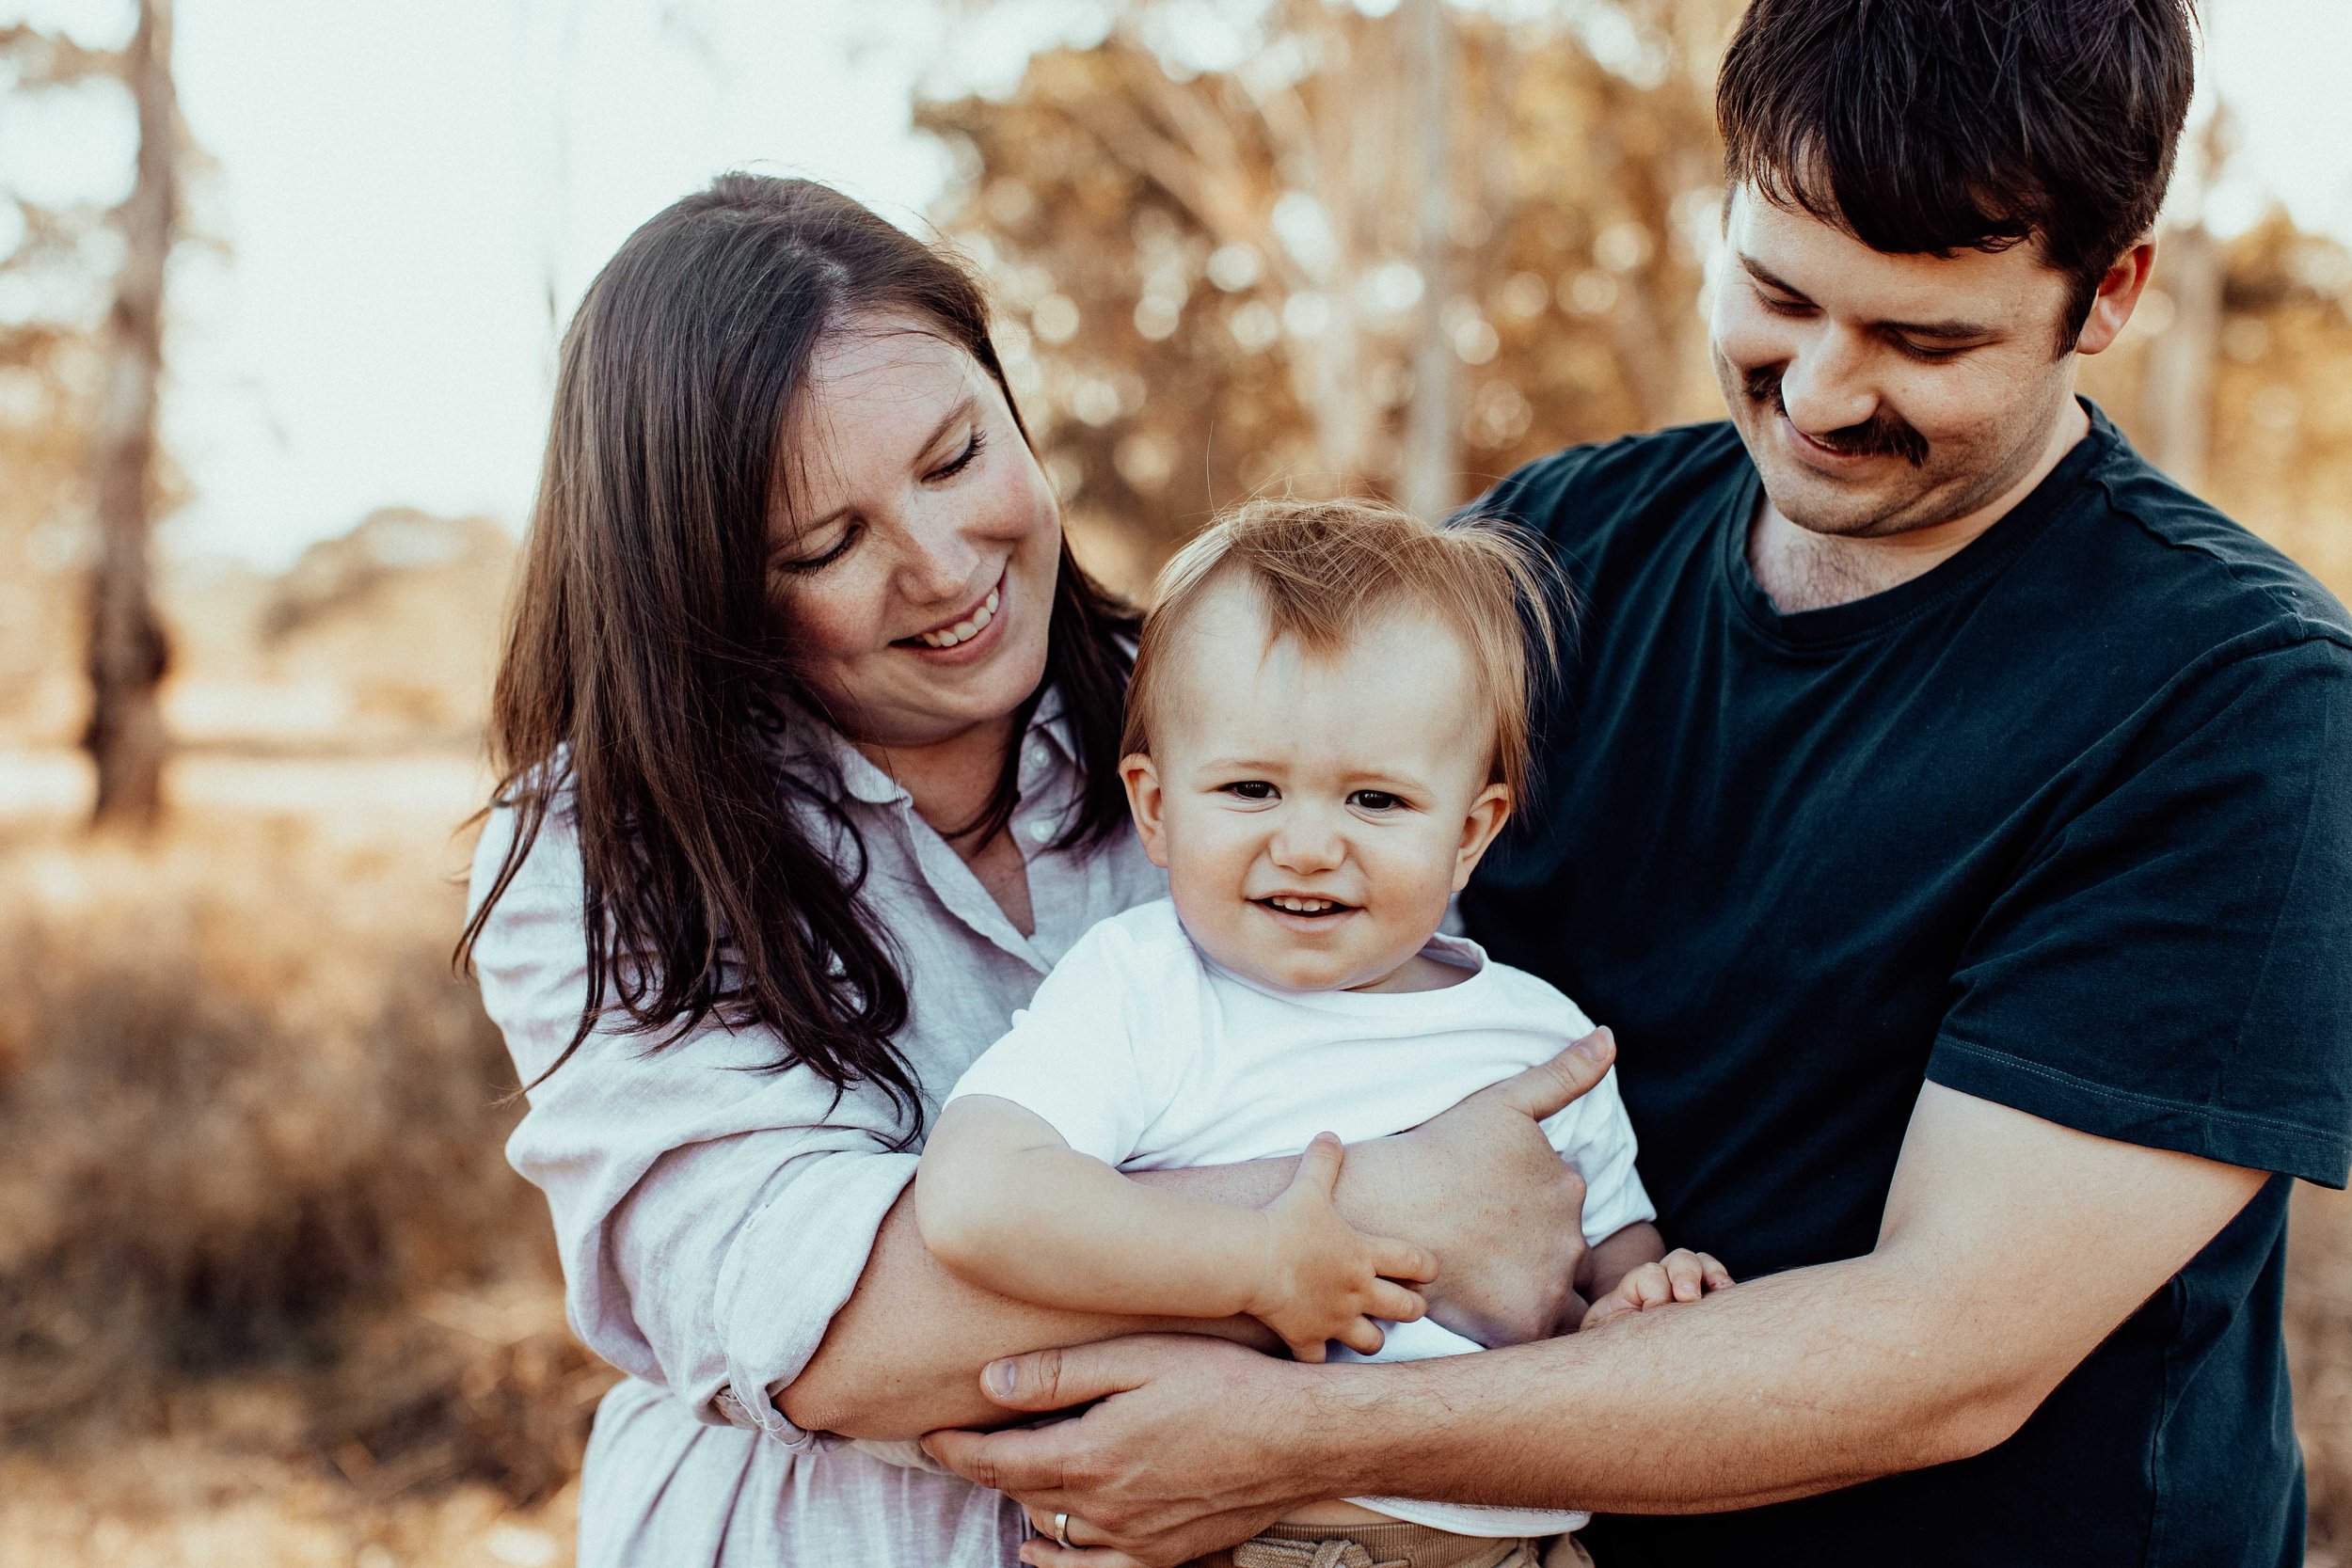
pixel 1280 960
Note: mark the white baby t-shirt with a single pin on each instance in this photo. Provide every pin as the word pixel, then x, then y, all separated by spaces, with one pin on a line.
pixel 1144 1052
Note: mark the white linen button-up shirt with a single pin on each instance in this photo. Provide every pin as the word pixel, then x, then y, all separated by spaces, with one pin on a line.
pixel 712 1220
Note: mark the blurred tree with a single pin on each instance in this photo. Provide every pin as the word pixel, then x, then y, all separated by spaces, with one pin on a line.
pixel 80 359
pixel 49 342
pixel 1213 270
pixel 127 650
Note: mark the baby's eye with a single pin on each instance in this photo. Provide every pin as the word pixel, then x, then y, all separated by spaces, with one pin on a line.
pixel 1251 789
pixel 1375 801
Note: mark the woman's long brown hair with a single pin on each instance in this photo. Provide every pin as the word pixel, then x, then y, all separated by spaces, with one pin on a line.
pixel 640 687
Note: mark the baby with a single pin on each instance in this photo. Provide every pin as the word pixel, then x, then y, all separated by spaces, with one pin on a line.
pixel 1326 727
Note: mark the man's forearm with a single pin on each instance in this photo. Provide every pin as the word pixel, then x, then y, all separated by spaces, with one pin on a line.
pixel 1777 1388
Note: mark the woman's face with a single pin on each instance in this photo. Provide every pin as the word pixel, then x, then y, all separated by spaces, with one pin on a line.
pixel 913 561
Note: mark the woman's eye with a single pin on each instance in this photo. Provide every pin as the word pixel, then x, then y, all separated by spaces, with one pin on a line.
pixel 1374 801
pixel 1783 307
pixel 1251 789
pixel 839 547
pixel 963 459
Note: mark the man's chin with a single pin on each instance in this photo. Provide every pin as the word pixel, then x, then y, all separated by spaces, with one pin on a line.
pixel 1841 507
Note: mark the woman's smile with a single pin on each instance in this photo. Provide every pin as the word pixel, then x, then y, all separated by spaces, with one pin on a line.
pixel 969 635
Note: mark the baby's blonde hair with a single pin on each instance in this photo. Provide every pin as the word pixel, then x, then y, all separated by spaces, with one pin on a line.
pixel 1323 569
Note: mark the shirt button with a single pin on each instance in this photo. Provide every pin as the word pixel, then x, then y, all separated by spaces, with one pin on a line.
pixel 1040 830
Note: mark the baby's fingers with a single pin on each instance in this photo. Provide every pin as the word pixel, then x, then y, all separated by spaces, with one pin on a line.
pixel 1685 1275
pixel 1396 1302
pixel 1717 1278
pixel 1646 1287
pixel 1307 1350
pixel 1402 1260
pixel 1319 1166
pixel 1363 1337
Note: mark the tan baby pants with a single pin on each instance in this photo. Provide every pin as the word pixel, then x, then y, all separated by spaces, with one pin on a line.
pixel 1397 1546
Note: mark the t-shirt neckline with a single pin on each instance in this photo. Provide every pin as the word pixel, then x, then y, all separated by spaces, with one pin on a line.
pixel 1459 952
pixel 1860 618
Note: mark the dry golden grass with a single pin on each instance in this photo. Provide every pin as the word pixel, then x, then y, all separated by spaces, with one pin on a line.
pixel 254 1225
pixel 268 1293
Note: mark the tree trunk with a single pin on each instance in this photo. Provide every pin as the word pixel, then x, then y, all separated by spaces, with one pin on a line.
pixel 127 650
pixel 1433 427
pixel 2177 391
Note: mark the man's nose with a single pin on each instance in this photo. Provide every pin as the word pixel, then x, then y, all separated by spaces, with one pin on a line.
pixel 1826 387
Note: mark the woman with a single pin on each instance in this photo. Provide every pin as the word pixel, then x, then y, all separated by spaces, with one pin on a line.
pixel 807 726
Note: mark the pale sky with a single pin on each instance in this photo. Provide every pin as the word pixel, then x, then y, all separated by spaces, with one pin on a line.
pixel 401 188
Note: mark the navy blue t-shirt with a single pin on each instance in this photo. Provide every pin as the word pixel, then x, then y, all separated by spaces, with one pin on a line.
pixel 2064 823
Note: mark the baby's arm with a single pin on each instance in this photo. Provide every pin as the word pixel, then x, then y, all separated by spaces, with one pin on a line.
pixel 1631 1271
pixel 1004 1204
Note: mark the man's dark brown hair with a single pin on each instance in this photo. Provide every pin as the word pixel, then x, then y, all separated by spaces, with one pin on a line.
pixel 1936 126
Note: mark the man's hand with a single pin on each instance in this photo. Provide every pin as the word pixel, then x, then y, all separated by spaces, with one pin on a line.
pixel 1503 1210
pixel 1681 1276
pixel 1322 1279
pixel 1194 1446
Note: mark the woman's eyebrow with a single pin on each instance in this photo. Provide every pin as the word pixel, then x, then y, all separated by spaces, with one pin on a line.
pixel 954 416
pixel 958 413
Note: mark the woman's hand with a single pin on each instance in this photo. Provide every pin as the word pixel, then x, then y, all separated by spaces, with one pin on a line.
pixel 1323 1279
pixel 1482 1189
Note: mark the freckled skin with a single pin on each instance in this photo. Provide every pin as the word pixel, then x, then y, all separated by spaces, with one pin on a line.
pixel 1350 774
pixel 925 539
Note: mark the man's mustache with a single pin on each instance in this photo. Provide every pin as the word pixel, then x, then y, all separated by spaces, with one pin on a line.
pixel 1885 434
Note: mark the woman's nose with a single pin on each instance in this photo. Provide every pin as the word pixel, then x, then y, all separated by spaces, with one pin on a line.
pixel 938 564
pixel 1824 388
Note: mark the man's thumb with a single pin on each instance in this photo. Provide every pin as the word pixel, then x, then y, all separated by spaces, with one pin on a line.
pixel 1058 1379
pixel 1550 1087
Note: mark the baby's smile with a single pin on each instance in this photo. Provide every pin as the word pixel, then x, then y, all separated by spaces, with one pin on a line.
pixel 1312 805
pixel 1311 908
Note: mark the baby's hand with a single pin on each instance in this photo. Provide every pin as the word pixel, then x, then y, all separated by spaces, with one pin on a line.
pixel 1681 1276
pixel 1324 1279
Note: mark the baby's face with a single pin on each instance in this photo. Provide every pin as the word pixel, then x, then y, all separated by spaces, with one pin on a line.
pixel 1314 812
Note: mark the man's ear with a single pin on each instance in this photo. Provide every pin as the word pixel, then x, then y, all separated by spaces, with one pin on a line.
pixel 1488 813
pixel 1143 803
pixel 2117 297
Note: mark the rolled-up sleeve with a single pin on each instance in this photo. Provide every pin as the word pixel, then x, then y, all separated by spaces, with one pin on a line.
pixel 712 1213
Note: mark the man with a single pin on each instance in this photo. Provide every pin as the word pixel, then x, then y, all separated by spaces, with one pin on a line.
pixel 1954 819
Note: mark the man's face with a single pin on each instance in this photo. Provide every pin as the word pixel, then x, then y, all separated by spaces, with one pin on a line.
pixel 1879 394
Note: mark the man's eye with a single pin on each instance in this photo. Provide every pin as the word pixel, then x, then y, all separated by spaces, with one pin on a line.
pixel 1376 799
pixel 1783 307
pixel 1251 789
pixel 1930 353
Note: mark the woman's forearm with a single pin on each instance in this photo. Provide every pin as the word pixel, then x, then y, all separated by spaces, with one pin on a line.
pixel 904 1356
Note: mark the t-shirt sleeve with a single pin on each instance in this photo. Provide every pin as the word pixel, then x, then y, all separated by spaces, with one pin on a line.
pixel 1595 1136
pixel 1081 1055
pixel 2172 967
